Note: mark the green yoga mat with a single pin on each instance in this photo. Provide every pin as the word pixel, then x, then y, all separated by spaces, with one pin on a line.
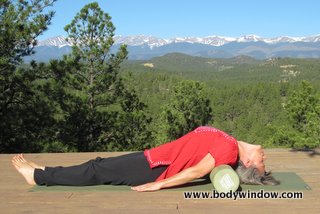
pixel 289 182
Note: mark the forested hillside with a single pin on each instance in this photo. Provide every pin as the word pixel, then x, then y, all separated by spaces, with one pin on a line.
pixel 96 100
pixel 249 98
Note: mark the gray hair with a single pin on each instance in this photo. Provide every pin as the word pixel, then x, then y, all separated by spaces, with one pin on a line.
pixel 251 175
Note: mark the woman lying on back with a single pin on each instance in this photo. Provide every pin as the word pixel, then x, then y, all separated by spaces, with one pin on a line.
pixel 192 156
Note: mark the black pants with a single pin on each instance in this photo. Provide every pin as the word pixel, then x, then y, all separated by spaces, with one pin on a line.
pixel 130 169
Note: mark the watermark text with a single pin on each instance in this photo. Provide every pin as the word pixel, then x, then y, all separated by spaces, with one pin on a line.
pixel 242 195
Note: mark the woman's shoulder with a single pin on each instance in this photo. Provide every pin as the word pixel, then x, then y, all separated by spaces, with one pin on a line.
pixel 206 129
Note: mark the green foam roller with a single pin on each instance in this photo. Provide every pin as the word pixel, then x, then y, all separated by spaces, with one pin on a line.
pixel 224 179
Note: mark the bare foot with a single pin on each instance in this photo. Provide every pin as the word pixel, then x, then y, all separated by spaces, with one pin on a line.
pixel 34 165
pixel 24 169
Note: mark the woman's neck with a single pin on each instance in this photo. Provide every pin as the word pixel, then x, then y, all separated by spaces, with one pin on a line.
pixel 245 151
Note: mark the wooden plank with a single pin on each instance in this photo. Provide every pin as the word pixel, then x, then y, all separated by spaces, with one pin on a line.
pixel 15 198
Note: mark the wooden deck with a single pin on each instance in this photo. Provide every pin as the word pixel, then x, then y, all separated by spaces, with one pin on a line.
pixel 15 198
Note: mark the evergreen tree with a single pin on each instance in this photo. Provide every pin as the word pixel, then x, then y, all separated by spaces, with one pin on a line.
pixel 188 109
pixel 91 33
pixel 303 109
pixel 300 105
pixel 95 71
pixel 22 109
pixel 21 22
pixel 302 130
pixel 102 104
pixel 133 126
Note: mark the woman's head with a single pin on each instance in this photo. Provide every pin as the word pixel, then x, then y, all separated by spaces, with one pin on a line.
pixel 251 168
pixel 251 175
pixel 257 159
pixel 252 155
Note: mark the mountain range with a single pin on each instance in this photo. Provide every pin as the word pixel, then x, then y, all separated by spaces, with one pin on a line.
pixel 143 47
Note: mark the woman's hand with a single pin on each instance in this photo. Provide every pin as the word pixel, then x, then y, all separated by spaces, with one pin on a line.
pixel 148 187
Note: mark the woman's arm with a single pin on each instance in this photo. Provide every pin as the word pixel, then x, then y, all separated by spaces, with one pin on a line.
pixel 204 167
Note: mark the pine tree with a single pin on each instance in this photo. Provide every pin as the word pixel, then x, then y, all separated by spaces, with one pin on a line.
pixel 188 109
pixel 21 22
pixel 133 126
pixel 94 71
pixel 303 108
pixel 106 116
pixel 91 33
pixel 21 107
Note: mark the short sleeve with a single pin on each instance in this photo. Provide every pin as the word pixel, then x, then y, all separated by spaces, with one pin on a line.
pixel 224 151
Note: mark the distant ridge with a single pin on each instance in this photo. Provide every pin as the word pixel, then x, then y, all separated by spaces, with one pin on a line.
pixel 152 41
pixel 143 47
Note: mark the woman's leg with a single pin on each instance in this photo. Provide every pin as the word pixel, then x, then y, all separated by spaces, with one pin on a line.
pixel 129 169
pixel 78 175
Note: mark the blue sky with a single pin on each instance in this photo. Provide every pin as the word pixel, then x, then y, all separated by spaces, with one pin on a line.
pixel 182 18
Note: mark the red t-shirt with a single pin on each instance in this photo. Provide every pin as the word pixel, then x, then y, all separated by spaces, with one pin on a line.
pixel 191 148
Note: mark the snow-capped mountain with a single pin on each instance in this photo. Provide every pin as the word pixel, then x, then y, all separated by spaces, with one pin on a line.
pixel 138 40
pixel 145 47
pixel 315 38
pixel 283 39
pixel 58 41
pixel 250 38
pixel 151 41
pixel 209 40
